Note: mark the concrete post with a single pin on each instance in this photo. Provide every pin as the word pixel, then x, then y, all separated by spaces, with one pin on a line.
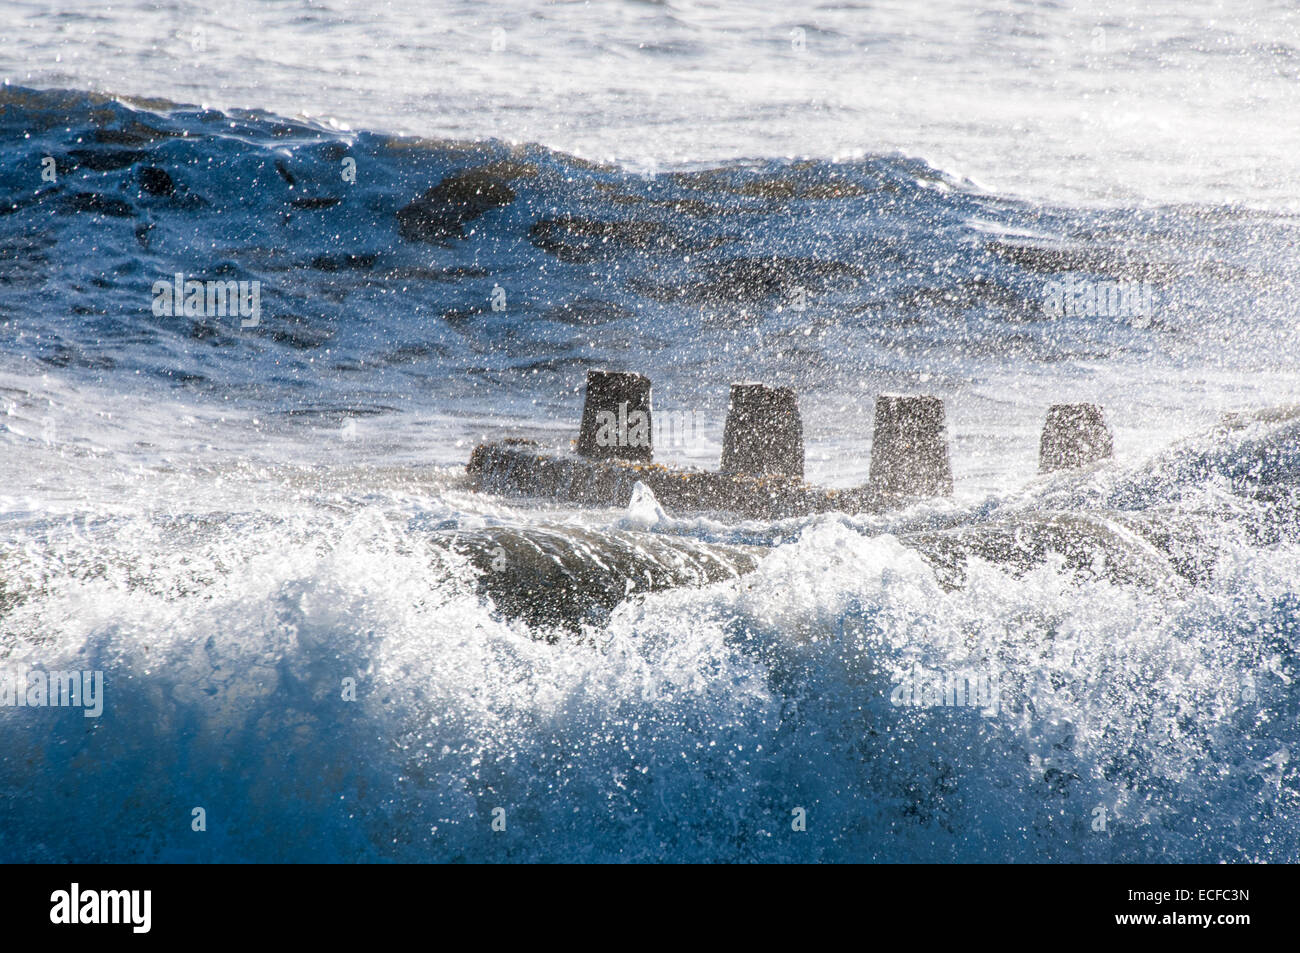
pixel 764 432
pixel 909 449
pixel 1073 435
pixel 616 417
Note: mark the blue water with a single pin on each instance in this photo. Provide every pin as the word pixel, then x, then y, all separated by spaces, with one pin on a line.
pixel 229 521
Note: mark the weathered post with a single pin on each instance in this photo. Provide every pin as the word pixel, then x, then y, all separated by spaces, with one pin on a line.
pixel 1073 435
pixel 616 417
pixel 763 435
pixel 909 448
